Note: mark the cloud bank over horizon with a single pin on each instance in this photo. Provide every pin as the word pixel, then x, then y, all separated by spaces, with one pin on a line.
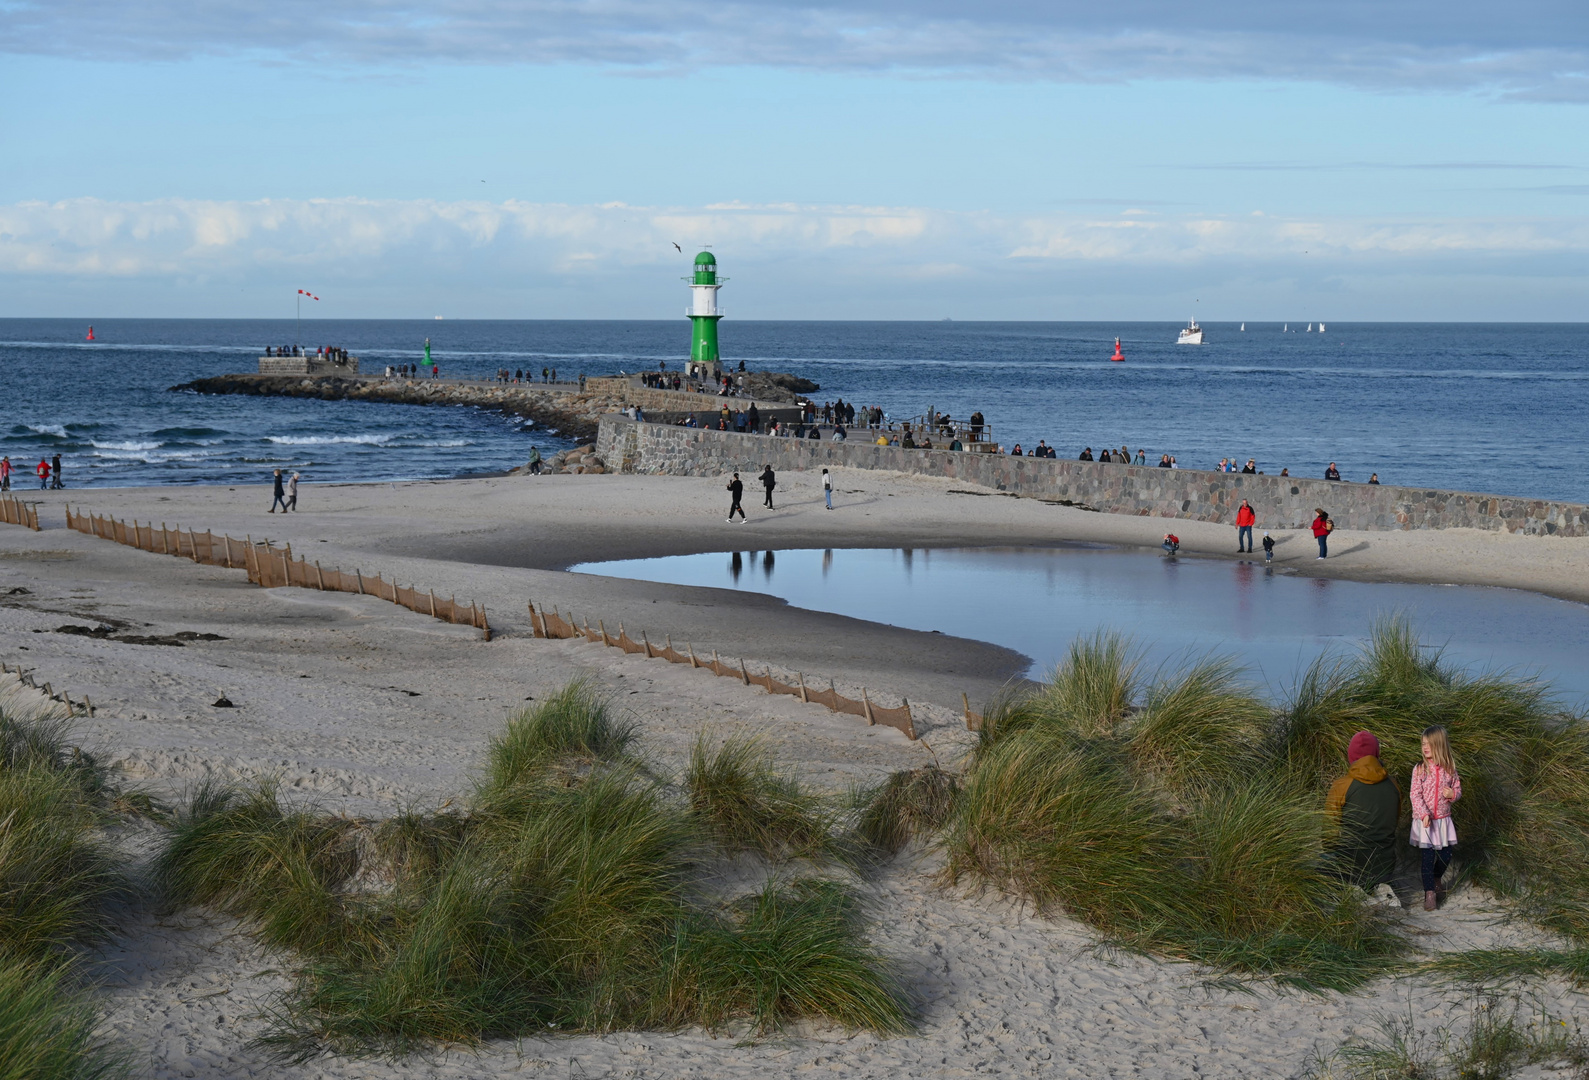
pixel 517 259
pixel 1529 49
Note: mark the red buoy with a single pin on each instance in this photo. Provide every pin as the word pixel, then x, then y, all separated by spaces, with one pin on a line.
pixel 1118 356
pixel 90 333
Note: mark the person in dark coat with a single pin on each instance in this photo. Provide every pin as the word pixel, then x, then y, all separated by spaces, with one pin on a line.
pixel 1364 805
pixel 769 480
pixel 736 491
pixel 279 494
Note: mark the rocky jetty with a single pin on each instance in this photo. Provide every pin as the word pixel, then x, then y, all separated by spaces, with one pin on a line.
pixel 581 460
pixel 561 411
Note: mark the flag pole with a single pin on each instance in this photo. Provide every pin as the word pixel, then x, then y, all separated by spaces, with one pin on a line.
pixel 298 331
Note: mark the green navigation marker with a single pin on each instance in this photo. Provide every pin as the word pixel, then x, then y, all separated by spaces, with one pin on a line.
pixel 703 313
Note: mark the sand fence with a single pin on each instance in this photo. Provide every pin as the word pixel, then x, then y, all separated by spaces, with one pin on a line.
pixel 270 567
pixel 554 625
pixel 23 699
pixel 14 511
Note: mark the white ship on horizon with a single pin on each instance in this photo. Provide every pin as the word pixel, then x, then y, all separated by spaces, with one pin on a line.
pixel 1191 335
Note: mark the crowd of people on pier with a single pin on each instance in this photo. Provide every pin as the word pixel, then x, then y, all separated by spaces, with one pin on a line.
pixel 523 375
pixel 335 353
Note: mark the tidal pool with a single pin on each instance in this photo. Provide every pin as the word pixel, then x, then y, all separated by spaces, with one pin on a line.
pixel 1036 600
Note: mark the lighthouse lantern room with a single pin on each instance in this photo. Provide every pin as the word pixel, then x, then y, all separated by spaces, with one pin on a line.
pixel 703 312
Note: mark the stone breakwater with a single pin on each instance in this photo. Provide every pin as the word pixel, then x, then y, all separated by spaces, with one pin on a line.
pixel 564 410
pixel 1281 502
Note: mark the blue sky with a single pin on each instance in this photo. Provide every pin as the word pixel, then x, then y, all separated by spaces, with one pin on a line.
pixel 996 160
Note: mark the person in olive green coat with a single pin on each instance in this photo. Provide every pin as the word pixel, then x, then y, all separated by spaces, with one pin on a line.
pixel 1364 805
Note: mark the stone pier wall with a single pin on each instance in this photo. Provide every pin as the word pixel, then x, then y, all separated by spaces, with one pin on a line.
pixel 1281 502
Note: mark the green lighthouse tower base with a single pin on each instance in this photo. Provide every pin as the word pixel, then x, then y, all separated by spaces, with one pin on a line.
pixel 703 312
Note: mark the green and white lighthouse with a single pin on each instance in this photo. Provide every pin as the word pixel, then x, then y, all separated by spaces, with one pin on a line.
pixel 703 312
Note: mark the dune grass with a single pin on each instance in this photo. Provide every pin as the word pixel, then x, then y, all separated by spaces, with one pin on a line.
pixel 58 883
pixel 566 896
pixel 1501 1038
pixel 1183 815
pixel 47 1026
pixel 911 803
pixel 746 803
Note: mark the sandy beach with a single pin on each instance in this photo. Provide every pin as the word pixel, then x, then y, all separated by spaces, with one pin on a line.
pixel 366 708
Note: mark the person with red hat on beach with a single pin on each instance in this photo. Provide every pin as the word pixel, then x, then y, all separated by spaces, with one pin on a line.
pixel 1363 805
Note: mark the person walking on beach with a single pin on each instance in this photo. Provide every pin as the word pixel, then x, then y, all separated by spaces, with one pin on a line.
pixel 1268 547
pixel 6 470
pixel 769 480
pixel 1435 786
pixel 736 491
pixel 535 461
pixel 1246 518
pixel 278 495
pixel 1322 527
pixel 42 471
pixel 292 495
pixel 1362 806
pixel 827 488
pixel 55 465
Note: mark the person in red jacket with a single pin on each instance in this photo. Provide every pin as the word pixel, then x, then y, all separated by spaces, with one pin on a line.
pixel 1322 527
pixel 42 470
pixel 1246 518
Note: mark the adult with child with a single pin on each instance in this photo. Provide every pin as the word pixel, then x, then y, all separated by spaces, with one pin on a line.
pixel 1362 806
pixel 1435 786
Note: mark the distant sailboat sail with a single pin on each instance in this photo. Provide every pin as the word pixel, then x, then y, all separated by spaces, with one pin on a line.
pixel 1244 327
pixel 1321 328
pixel 1286 328
pixel 1310 328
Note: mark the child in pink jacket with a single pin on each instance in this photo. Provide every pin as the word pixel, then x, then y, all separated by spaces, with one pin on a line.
pixel 1435 786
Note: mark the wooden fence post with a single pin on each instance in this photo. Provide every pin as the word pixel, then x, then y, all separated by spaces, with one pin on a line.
pixel 646 642
pixel 801 676
pixel 433 603
pixel 603 626
pixel 319 576
pixel 359 578
pixel 866 704
pixel 694 663
pixel 743 674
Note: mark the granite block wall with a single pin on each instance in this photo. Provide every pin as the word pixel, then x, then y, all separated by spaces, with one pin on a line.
pixel 1281 502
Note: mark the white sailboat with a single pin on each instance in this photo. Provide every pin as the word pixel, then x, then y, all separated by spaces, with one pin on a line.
pixel 1310 328
pixel 1191 335
pixel 1286 329
pixel 1244 328
pixel 1321 328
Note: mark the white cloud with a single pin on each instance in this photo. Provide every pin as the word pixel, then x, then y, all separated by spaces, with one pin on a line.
pixel 619 260
pixel 1527 48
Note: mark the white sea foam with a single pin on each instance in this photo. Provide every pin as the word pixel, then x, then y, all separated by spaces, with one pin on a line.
pixel 49 429
pixel 125 445
pixel 322 440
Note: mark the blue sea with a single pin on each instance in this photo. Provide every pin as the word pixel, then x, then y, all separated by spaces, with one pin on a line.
pixel 1476 407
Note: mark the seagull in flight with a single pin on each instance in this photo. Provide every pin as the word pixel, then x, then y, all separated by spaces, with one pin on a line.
pixel 677 248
